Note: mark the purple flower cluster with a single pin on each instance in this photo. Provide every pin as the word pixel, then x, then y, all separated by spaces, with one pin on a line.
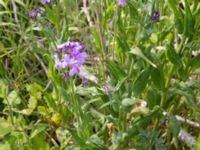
pixel 33 13
pixel 45 1
pixel 69 55
pixel 156 17
pixel 122 2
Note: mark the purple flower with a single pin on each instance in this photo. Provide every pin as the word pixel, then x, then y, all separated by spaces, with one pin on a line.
pixel 74 70
pixel 33 13
pixel 156 16
pixel 122 2
pixel 70 57
pixel 45 1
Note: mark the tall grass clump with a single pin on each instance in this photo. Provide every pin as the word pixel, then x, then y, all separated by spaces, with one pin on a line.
pixel 99 74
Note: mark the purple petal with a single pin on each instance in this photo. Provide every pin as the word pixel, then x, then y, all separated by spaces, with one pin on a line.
pixel 75 70
pixel 33 13
pixel 58 62
pixel 122 2
pixel 45 1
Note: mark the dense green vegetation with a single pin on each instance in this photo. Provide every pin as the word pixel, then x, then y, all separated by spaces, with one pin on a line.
pixel 129 80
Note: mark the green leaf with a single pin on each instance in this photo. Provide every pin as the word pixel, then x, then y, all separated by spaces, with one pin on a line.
pixel 5 146
pixel 126 102
pixel 5 126
pixel 50 101
pixel 123 44
pixel 188 21
pixel 173 56
pixel 86 91
pixel 153 98
pixel 95 142
pixel 32 104
pixel 20 2
pixel 38 129
pixel 115 70
pixel 43 110
pixel 157 78
pixel 178 15
pixel 133 11
pixel 13 98
pixel 136 51
pixel 61 134
pixel 119 85
pixel 141 82
pixel 118 138
pixel 3 3
pixel 97 41
pixel 174 126
pixel 188 93
pixel 39 141
pixel 3 88
pixel 195 62
pixel 77 138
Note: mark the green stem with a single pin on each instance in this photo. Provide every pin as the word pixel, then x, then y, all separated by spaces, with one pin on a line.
pixel 10 110
pixel 171 70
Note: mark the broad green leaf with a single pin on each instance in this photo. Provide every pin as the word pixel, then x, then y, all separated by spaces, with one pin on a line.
pixel 56 118
pixel 87 91
pixel 6 127
pixel 90 102
pixel 136 51
pixel 38 129
pixel 39 141
pixel 188 21
pixel 43 110
pixel 173 56
pixel 157 78
pixel 183 90
pixel 5 146
pixel 27 111
pixel 12 98
pixel 141 82
pixel 153 98
pixel 128 102
pixel 109 103
pixel 7 24
pixel 32 103
pixel 115 70
pixel 95 142
pixel 195 62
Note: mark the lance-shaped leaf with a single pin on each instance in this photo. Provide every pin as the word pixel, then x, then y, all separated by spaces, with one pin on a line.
pixel 136 51
pixel 172 55
pixel 141 82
